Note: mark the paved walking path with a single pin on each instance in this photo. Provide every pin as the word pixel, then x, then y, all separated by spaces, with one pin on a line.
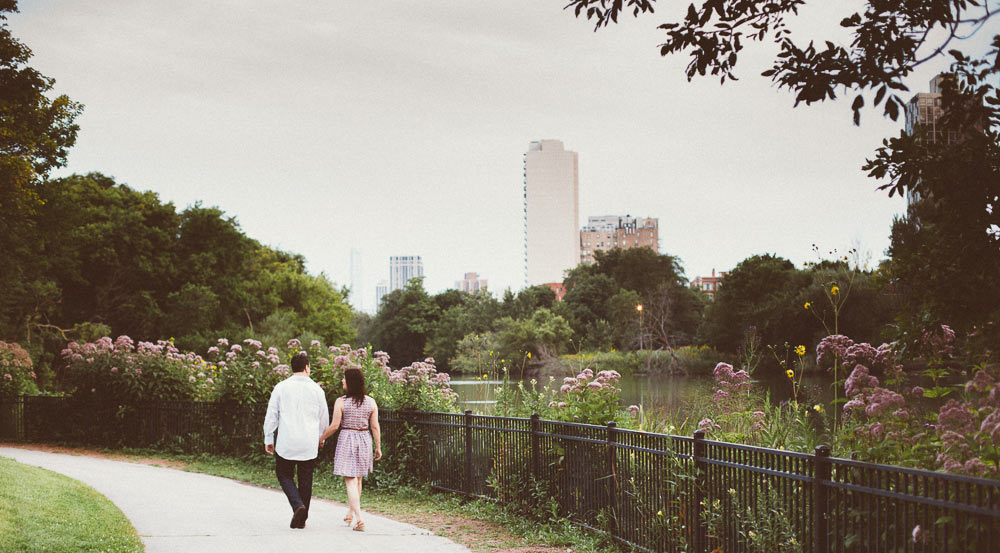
pixel 183 512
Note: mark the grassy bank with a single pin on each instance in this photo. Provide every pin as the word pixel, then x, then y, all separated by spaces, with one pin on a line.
pixel 45 512
pixel 690 360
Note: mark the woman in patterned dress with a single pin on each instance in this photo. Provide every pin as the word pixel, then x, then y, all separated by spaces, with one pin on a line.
pixel 354 414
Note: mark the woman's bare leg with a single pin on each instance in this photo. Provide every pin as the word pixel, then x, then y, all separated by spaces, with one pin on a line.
pixel 353 497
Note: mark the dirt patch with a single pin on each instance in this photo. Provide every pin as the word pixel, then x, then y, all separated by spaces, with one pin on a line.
pixel 477 535
pixel 114 456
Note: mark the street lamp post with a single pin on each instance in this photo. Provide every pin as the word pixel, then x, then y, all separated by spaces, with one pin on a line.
pixel 639 309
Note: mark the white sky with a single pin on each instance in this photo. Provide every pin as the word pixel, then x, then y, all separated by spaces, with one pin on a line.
pixel 398 128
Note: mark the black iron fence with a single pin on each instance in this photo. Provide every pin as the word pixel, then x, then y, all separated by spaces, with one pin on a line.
pixel 666 493
pixel 653 492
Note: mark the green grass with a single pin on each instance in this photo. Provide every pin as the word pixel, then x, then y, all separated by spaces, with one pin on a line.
pixel 409 500
pixel 45 512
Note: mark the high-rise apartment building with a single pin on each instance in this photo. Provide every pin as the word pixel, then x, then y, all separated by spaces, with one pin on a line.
pixel 551 212
pixel 381 290
pixel 616 231
pixel 402 268
pixel 471 283
pixel 922 114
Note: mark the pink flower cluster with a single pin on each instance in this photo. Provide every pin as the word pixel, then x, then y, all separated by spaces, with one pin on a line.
pixel 421 373
pixel 604 381
pixel 940 342
pixel 967 426
pixel 842 349
pixel 870 398
pixel 729 382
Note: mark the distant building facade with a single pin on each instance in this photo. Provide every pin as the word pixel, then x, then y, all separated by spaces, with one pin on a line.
pixel 403 268
pixel 709 284
pixel 381 290
pixel 618 231
pixel 558 288
pixel 551 212
pixel 471 283
pixel 923 113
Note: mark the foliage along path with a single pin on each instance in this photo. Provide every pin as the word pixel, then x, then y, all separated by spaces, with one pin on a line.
pixel 175 511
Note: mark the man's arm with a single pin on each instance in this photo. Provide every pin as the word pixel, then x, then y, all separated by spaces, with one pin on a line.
pixel 324 415
pixel 271 421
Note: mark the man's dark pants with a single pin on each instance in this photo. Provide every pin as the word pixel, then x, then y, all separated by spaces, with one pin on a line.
pixel 286 468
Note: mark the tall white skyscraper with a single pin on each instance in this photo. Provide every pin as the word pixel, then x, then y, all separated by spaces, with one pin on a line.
pixel 551 212
pixel 402 268
pixel 381 289
pixel 356 297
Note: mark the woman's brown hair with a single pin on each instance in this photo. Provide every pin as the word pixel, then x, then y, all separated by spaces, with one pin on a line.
pixel 355 385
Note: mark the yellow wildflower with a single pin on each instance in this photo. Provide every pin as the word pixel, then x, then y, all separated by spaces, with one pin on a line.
pixel 529 355
pixel 800 350
pixel 790 373
pixel 807 305
pixel 818 408
pixel 484 376
pixel 835 290
pixel 659 513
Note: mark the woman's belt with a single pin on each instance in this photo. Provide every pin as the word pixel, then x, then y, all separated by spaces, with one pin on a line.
pixel 365 429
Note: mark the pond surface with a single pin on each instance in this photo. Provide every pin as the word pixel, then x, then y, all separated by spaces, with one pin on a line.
pixel 655 392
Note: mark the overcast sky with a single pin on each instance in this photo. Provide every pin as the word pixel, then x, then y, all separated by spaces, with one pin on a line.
pixel 399 127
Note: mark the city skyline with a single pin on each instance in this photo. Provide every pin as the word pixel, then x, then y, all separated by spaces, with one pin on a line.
pixel 402 128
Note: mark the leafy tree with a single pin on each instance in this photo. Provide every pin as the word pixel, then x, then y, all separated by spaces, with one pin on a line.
pixel 525 302
pixel 405 322
pixel 641 270
pixel 761 291
pixel 544 335
pixel 477 313
pixel 603 315
pixel 945 254
pixel 38 131
pixel 587 302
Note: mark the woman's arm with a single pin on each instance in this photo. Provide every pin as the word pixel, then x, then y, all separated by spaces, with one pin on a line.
pixel 376 431
pixel 338 412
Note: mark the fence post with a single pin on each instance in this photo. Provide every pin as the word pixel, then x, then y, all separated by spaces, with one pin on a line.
pixel 612 478
pixel 468 451
pixel 822 472
pixel 701 477
pixel 534 447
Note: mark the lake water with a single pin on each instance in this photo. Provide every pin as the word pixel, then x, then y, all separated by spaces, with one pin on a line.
pixel 654 392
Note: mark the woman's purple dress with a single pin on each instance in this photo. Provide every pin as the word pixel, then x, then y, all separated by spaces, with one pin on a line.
pixel 354 453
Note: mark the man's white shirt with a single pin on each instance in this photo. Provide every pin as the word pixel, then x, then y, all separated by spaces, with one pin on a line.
pixel 298 410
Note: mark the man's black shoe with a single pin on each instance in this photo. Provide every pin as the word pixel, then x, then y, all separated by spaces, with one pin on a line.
pixel 299 517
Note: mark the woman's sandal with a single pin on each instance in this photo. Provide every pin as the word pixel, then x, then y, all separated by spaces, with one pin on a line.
pixel 360 526
pixel 349 518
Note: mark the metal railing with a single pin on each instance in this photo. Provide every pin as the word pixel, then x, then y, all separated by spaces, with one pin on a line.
pixel 658 492
pixel 654 492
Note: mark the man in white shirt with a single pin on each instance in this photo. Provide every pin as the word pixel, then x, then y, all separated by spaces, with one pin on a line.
pixel 298 411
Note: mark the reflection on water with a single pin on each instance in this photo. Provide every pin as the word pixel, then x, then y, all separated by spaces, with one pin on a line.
pixel 660 393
